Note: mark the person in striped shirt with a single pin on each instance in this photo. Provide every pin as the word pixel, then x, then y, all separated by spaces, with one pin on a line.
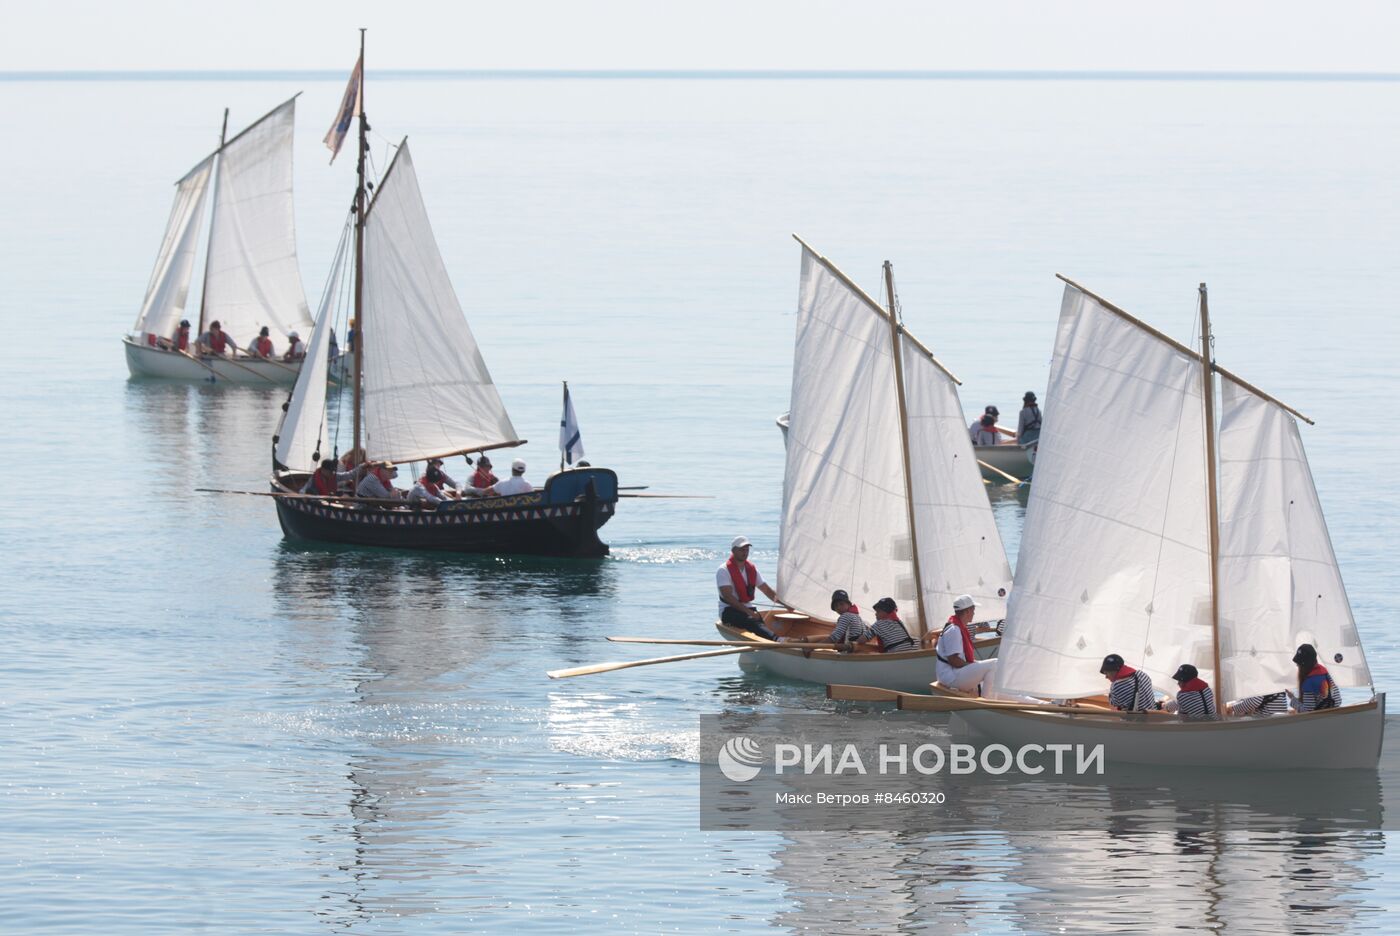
pixel 849 629
pixel 1131 689
pixel 888 630
pixel 1273 704
pixel 1194 701
pixel 1316 687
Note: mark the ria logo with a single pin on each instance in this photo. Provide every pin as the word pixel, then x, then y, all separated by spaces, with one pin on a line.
pixel 740 759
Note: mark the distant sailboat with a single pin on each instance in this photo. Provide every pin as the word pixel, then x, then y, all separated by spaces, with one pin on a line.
pixel 421 390
pixel 251 279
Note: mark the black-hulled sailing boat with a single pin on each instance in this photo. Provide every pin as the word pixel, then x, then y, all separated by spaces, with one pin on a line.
pixel 421 390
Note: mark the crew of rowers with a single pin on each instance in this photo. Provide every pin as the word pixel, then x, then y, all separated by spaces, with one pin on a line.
pixel 217 342
pixel 1130 690
pixel 985 431
pixel 375 480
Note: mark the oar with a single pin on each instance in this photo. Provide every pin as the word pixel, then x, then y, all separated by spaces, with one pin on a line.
pixel 672 496
pixel 230 360
pixel 291 494
pixel 861 694
pixel 754 645
pixel 997 471
pixel 213 374
pixel 609 667
pixel 633 487
pixel 914 702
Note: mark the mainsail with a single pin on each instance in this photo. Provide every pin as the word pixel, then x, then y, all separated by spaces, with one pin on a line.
pixel 168 290
pixel 845 503
pixel 302 435
pixel 960 549
pixel 427 391
pixel 1115 557
pixel 252 279
pixel 1279 581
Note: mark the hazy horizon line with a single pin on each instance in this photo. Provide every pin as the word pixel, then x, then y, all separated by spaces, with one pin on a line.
pixel 784 74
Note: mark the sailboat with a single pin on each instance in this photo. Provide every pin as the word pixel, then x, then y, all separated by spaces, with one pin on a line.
pixel 881 494
pixel 421 390
pixel 1182 536
pixel 251 279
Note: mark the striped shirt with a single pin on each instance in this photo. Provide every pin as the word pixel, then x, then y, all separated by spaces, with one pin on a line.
pixel 1132 693
pixel 1316 691
pixel 1276 704
pixel 1194 704
pixel 892 636
pixel 849 627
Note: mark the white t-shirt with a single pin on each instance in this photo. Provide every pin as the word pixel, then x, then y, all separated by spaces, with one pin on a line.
pixel 722 580
pixel 949 644
pixel 515 484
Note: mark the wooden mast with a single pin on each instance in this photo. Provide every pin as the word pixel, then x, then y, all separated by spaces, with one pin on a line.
pixel 1208 395
pixel 895 330
pixel 356 452
pixel 204 289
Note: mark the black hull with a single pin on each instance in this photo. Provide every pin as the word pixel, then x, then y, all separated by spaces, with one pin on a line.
pixel 560 519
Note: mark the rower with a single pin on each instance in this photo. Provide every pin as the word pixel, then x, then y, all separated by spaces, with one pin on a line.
pixel 379 481
pixel 738 581
pixel 516 483
pixel 325 480
pixel 447 480
pixel 849 627
pixel 483 478
pixel 888 630
pixel 1131 689
pixel 182 336
pixel 984 431
pixel 429 488
pixel 1194 700
pixel 214 341
pixel 1028 423
pixel 1316 687
pixel 297 349
pixel 958 666
pixel 1275 703
pixel 261 346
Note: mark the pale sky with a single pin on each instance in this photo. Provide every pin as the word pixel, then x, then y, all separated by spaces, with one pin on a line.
pixel 1074 35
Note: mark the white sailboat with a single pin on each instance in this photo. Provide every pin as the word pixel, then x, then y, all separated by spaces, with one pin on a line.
pixel 251 279
pixel 881 494
pixel 1137 542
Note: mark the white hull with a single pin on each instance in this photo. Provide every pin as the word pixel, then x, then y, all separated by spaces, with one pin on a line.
pixel 158 363
pixel 1010 458
pixel 1348 737
pixel 901 672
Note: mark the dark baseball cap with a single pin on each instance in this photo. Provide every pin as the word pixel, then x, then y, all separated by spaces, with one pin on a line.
pixel 886 605
pixel 838 597
pixel 1185 673
pixel 1111 664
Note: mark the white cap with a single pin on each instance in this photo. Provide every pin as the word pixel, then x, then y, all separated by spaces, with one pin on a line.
pixel 518 466
pixel 963 602
pixel 293 335
pixel 740 542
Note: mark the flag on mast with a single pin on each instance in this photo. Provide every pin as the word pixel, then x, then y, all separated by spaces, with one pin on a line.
pixel 570 442
pixel 349 110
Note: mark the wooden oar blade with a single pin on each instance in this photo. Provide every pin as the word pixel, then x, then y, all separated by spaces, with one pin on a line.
pixel 628 664
pixel 861 694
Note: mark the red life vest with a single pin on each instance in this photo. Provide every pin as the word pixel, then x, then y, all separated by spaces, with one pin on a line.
pixel 150 339
pixel 217 340
pixel 968 654
pixel 744 590
pixel 182 339
pixel 264 346
pixel 323 486
pixel 430 487
pixel 1126 672
pixel 483 478
pixel 383 477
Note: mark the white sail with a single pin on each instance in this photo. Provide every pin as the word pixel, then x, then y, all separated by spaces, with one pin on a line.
pixel 252 278
pixel 1115 557
pixel 845 521
pixel 960 549
pixel 169 288
pixel 302 434
pixel 426 391
pixel 1279 581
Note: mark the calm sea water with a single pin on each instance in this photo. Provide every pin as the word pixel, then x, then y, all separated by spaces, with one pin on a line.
pixel 205 727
